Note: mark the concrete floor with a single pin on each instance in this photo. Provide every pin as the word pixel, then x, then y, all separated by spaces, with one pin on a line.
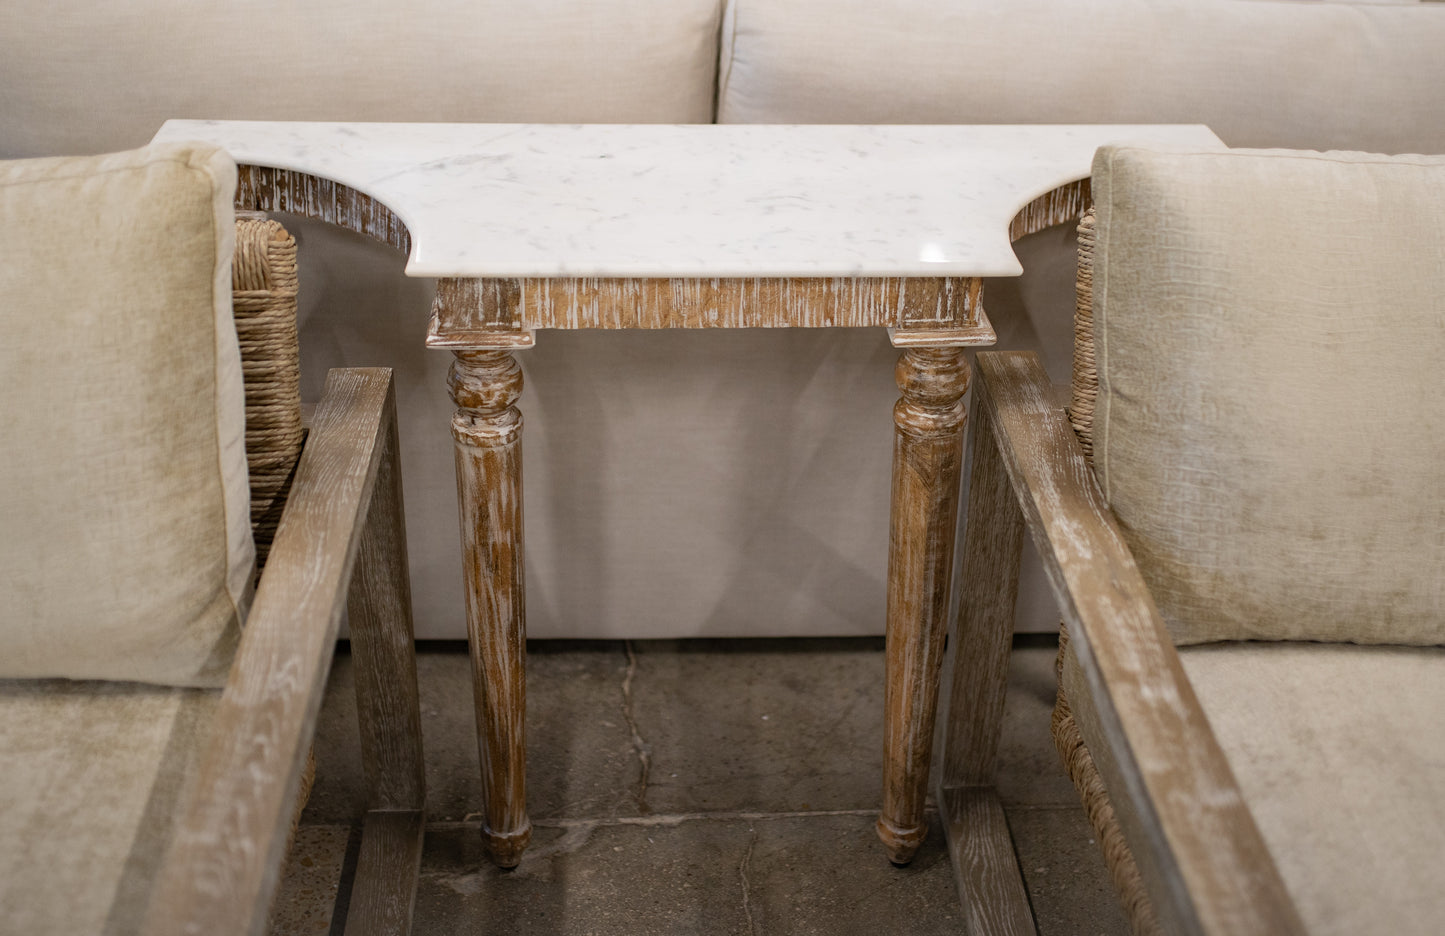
pixel 706 787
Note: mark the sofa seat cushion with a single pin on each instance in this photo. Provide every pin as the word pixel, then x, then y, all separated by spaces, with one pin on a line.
pixel 126 551
pixel 91 778
pixel 1268 331
pixel 1266 73
pixel 1339 753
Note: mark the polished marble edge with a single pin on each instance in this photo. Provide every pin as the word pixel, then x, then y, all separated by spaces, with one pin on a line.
pixel 693 201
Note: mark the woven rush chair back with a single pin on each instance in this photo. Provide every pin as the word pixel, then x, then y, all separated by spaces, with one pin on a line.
pixel 263 301
pixel 263 283
pixel 1086 376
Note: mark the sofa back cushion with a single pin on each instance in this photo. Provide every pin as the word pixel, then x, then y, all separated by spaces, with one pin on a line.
pixel 1269 332
pixel 78 76
pixel 1259 73
pixel 125 547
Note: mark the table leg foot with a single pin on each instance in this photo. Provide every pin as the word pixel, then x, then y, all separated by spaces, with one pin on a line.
pixel 900 843
pixel 927 460
pixel 487 429
pixel 505 848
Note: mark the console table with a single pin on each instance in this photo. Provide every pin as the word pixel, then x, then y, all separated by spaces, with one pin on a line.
pixel 530 227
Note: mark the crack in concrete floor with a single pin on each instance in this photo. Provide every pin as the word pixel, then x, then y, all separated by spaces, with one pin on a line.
pixel 643 749
pixel 743 878
pixel 604 875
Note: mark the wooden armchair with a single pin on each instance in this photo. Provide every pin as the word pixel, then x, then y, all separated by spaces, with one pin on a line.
pixel 1242 514
pixel 138 795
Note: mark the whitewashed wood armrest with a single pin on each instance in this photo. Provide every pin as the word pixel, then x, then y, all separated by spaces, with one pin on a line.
pixel 1202 858
pixel 221 871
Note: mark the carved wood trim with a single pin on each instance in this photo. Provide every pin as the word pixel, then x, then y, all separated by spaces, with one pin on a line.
pixel 487 430
pixel 928 423
pixel 1063 205
pixel 795 302
pixel 261 188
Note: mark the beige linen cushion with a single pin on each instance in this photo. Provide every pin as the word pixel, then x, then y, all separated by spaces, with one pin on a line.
pixel 1269 330
pixel 1267 73
pixel 92 782
pixel 1339 754
pixel 126 550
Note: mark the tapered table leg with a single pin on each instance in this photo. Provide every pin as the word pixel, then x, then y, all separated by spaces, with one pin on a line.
pixel 927 457
pixel 487 429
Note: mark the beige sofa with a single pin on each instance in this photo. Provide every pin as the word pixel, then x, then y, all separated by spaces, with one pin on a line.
pixel 766 514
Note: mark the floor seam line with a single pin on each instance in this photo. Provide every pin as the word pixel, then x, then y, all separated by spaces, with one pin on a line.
pixel 666 819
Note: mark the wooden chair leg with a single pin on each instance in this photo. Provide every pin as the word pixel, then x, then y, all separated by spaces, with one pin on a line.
pixel 388 708
pixel 487 430
pixel 383 651
pixel 990 886
pixel 927 454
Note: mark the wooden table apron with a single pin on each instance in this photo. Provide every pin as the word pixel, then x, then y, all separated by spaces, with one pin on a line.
pixel 484 321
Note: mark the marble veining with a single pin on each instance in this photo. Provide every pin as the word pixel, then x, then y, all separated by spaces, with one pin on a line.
pixel 552 200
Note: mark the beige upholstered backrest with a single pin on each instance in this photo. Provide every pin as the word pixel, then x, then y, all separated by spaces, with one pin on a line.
pixel 1269 336
pixel 1257 72
pixel 126 551
pixel 80 76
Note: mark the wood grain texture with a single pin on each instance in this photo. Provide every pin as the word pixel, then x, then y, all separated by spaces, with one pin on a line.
pixel 1063 205
pixel 382 652
pixel 487 430
pixel 927 454
pixel 1204 864
pixel 261 188
pixel 967 336
pixel 383 892
pixel 221 870
pixel 470 306
pixel 990 885
pixel 992 549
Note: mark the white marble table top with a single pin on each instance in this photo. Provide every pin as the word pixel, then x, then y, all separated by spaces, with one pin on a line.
pixel 542 200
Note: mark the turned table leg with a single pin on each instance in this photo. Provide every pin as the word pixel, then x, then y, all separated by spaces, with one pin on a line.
pixel 487 429
pixel 927 456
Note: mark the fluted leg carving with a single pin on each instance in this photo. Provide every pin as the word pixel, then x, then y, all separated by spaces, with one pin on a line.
pixel 487 429
pixel 927 457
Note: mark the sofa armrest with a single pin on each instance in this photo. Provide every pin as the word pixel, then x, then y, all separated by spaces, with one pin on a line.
pixel 222 867
pixel 1202 858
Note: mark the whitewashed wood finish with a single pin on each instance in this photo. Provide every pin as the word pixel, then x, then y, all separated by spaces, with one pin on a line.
pixel 992 548
pixel 261 188
pixel 221 870
pixel 382 651
pixel 796 302
pixel 1063 205
pixel 928 425
pixel 1204 864
pixel 389 865
pixel 987 873
pixel 487 430
pixel 984 866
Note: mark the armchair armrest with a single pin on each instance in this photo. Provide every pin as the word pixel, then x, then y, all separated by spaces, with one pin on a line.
pixel 1202 858
pixel 222 867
